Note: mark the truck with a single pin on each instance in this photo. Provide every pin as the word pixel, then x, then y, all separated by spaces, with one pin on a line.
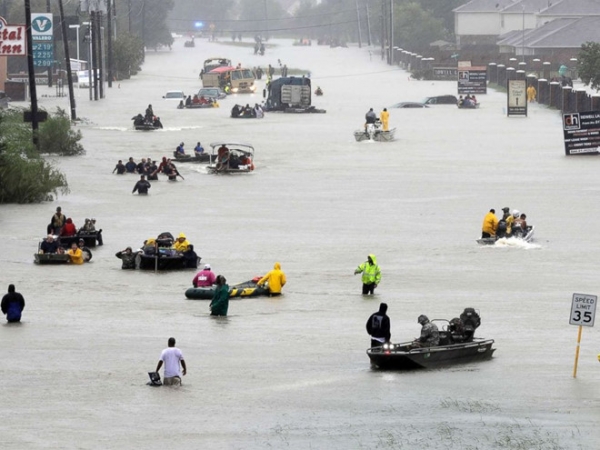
pixel 291 95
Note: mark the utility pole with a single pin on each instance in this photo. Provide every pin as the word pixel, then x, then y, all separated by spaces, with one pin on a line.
pixel 129 14
pixel 110 39
pixel 368 23
pixel 99 30
pixel 63 25
pixel 266 21
pixel 31 70
pixel 358 22
pixel 94 25
pixel 383 28
pixel 49 10
pixel 391 31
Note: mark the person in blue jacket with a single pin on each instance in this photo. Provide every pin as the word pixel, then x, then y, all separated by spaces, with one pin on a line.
pixel 12 305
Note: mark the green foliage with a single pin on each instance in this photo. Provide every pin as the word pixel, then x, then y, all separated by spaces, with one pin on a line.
pixel 415 28
pixel 588 64
pixel 25 177
pixel 56 136
pixel 128 55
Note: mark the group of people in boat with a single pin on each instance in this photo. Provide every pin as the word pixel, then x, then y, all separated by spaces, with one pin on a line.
pixel 469 101
pixel 232 160
pixel 460 329
pixel 193 101
pixel 149 119
pixel 180 150
pixel 164 245
pixel 62 226
pixel 148 168
pixel 256 112
pixel 383 121
pixel 512 224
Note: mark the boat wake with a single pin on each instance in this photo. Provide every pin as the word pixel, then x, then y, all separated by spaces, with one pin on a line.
pixel 514 243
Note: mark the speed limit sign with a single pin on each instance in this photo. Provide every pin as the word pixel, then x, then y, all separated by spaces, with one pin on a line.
pixel 583 310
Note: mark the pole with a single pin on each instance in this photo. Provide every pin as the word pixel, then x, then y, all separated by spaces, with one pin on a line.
pixel 383 33
pixel 368 23
pixel 129 14
pixel 49 10
pixel 63 25
pixel 100 31
pixel 523 41
pixel 90 58
pixel 391 45
pixel 110 39
pixel 95 51
pixel 31 70
pixel 266 22
pixel 358 22
pixel 577 352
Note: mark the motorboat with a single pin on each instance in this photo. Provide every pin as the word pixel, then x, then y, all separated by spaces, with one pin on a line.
pixel 469 105
pixel 202 158
pixel 241 290
pixel 51 258
pixel 457 345
pixel 146 126
pixel 230 157
pixel 527 236
pixel 160 256
pixel 373 132
pixel 404 357
pixel 90 238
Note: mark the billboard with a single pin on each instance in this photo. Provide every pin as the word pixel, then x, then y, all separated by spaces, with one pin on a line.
pixel 12 39
pixel 42 37
pixel 472 80
pixel 516 97
pixel 582 132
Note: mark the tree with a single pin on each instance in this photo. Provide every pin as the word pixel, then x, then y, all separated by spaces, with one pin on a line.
pixel 128 55
pixel 415 28
pixel 588 64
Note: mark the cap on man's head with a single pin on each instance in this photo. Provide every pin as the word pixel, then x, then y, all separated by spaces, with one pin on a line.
pixel 506 209
pixel 207 266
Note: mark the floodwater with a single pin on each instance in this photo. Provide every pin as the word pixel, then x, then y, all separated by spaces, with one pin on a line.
pixel 292 372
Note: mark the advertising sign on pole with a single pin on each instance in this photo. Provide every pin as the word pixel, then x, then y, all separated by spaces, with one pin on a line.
pixel 12 39
pixel 42 35
pixel 472 80
pixel 516 98
pixel 582 132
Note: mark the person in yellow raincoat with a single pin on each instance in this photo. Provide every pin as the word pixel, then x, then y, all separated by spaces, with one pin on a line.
pixel 531 93
pixel 371 274
pixel 181 244
pixel 275 278
pixel 490 224
pixel 76 254
pixel 384 116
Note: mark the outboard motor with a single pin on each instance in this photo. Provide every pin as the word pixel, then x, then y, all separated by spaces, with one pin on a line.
pixel 470 321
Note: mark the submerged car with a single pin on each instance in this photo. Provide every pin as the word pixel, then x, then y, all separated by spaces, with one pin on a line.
pixel 174 95
pixel 409 105
pixel 441 100
pixel 217 93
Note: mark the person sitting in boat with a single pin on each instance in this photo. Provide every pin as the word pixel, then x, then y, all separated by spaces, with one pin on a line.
pixel 203 100
pixel 188 101
pixel 234 161
pixel 195 100
pixel 157 123
pixel 180 150
pixel 86 251
pixel 204 278
pixel 119 168
pixel 190 258
pixel 198 149
pixel 258 111
pixel 49 245
pixel 181 105
pixel 318 91
pixel 430 335
pixel 75 254
pixel 370 118
pixel 181 243
pixel 456 330
pixel 236 111
pixel 90 227
pixel 138 120
pixel 490 224
pixel 69 229
pixel 461 101
pixel 222 157
pixel 127 257
pixel 519 227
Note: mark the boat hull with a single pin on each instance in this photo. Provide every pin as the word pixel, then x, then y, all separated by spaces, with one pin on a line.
pixel 146 127
pixel 163 262
pixel 242 290
pixel 204 158
pixel 51 258
pixel 492 240
pixel 401 357
pixel 379 136
pixel 89 239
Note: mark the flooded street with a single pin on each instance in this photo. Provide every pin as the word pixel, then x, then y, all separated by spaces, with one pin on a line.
pixel 291 372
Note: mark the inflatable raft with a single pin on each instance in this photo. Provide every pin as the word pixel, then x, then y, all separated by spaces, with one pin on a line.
pixel 245 289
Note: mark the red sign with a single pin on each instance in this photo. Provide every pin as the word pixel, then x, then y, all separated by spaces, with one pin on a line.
pixel 12 39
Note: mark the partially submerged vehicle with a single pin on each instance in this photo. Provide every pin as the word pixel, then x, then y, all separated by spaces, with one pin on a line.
pixel 231 157
pixel 374 132
pixel 290 95
pixel 215 92
pixel 214 62
pixel 248 288
pixel 457 345
pixel 239 80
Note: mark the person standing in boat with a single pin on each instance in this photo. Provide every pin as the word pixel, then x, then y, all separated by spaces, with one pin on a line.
pixel 378 326
pixel 142 186
pixel 171 357
pixel 205 278
pixel 371 274
pixel 56 222
pixel 370 118
pixel 275 279
pixel 490 224
pixel 384 116
pixel 12 305
pixel 430 335
pixel 220 301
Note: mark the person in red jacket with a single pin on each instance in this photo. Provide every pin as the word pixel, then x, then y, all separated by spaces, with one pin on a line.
pixel 69 228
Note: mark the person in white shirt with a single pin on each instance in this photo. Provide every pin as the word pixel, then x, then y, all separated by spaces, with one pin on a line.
pixel 171 357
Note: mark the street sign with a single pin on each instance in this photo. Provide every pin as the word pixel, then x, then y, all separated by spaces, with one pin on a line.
pixel 583 310
pixel 472 80
pixel 516 94
pixel 581 132
pixel 42 37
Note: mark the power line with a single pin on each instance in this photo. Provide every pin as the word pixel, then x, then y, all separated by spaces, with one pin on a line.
pixel 262 20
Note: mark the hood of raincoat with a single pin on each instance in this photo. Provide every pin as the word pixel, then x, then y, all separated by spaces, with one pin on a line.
pixel 277 266
pixel 181 235
pixel 372 256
